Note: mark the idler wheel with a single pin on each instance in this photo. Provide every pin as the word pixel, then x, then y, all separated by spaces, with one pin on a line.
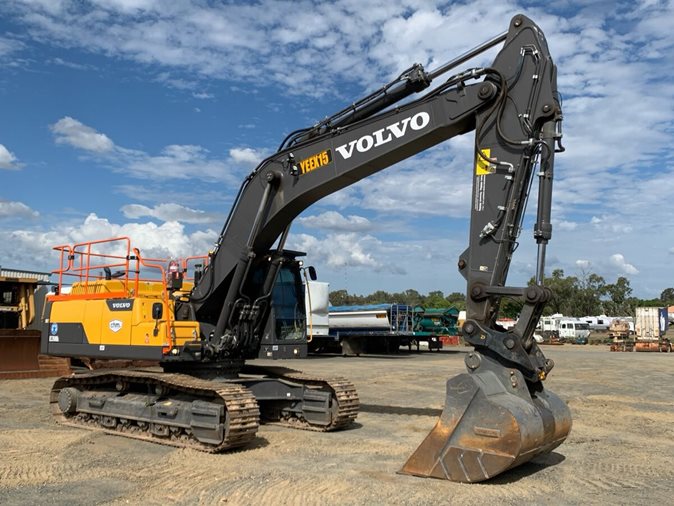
pixel 68 400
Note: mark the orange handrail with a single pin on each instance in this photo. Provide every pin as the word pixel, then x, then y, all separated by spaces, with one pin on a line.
pixel 82 269
pixel 63 249
pixel 187 260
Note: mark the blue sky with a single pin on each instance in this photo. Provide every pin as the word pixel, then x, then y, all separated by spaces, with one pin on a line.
pixel 141 118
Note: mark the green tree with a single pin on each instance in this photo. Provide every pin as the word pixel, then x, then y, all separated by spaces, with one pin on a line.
pixel 572 296
pixel 619 298
pixel 378 297
pixel 412 298
pixel 343 298
pixel 588 300
pixel 564 292
pixel 435 299
pixel 667 296
pixel 510 308
pixel 457 299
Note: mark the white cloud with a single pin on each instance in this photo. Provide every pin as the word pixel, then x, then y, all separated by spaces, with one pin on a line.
pixel 611 224
pixel 619 261
pixel 247 156
pixel 178 83
pixel 202 39
pixel 346 197
pixel 154 241
pixel 9 46
pixel 176 161
pixel 332 220
pixel 191 41
pixel 16 210
pixel 7 159
pixel 583 264
pixel 339 250
pixel 70 131
pixel 565 225
pixel 69 64
pixel 202 95
pixel 436 182
pixel 419 192
pixel 169 212
pixel 364 263
pixel 203 193
pixel 128 5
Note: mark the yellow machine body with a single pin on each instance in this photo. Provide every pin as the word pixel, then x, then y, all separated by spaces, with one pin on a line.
pixel 92 320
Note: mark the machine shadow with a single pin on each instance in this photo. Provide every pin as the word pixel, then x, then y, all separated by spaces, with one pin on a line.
pixel 396 356
pixel 257 443
pixel 527 469
pixel 399 410
pixel 402 354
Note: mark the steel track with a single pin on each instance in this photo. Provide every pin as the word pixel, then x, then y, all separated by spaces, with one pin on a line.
pixel 241 418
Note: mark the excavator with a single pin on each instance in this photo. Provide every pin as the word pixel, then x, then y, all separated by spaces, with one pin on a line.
pixel 202 329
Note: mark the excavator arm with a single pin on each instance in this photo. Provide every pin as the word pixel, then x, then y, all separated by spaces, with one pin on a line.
pixel 498 414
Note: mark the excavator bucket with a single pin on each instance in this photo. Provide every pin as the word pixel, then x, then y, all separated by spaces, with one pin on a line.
pixel 491 422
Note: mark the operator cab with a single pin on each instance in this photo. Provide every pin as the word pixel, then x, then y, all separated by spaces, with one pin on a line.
pixel 285 335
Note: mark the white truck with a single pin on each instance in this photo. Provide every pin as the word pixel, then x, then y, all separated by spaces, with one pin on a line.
pixel 559 329
pixel 316 303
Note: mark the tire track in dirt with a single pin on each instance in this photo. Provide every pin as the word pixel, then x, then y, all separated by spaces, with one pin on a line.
pixel 206 486
pixel 66 456
pixel 33 439
pixel 30 458
pixel 241 478
pixel 615 476
pixel 14 474
pixel 281 489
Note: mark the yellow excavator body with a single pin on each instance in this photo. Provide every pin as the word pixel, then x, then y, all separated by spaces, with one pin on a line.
pixel 140 319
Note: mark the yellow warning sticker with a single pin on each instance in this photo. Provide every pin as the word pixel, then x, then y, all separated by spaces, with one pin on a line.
pixel 482 166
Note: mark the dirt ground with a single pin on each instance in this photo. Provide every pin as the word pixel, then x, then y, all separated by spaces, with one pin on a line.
pixel 620 451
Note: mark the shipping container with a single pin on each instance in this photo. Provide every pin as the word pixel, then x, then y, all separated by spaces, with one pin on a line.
pixel 651 323
pixel 650 327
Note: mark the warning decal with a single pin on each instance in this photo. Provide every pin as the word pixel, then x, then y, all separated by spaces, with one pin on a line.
pixel 482 166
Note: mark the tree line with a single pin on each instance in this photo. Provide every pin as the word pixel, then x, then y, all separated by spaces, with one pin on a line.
pixel 584 295
pixel 435 299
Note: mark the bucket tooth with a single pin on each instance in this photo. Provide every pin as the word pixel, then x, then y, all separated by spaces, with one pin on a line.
pixel 490 423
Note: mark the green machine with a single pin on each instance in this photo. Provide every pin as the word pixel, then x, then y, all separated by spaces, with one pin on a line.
pixel 436 326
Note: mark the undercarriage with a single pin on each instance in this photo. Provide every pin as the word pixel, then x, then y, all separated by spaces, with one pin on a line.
pixel 210 415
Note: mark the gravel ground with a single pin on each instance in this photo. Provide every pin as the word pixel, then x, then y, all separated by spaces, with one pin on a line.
pixel 620 451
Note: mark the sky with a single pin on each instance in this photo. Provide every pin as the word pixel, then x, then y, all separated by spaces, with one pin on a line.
pixel 143 117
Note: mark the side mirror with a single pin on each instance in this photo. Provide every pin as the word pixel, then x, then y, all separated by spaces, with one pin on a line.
pixel 157 310
pixel 312 273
